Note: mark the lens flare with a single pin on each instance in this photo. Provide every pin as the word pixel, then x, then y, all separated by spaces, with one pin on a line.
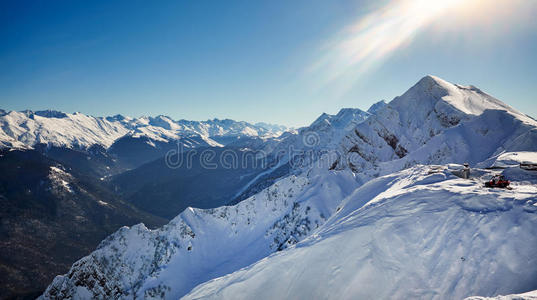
pixel 378 34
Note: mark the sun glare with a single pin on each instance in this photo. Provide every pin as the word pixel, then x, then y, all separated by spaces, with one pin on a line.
pixel 381 32
pixel 430 8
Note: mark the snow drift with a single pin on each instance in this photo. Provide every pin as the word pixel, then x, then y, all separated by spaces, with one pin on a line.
pixel 404 236
pixel 524 296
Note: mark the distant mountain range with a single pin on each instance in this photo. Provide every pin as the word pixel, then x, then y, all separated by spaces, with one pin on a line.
pixel 28 128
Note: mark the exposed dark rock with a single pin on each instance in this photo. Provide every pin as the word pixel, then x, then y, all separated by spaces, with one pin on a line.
pixel 51 216
pixel 401 151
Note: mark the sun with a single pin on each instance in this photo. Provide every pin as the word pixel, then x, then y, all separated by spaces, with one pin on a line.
pixel 434 7
pixel 379 33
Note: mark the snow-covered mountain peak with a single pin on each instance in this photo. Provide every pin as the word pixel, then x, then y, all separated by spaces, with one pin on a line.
pixel 436 122
pixel 434 93
pixel 377 107
pixel 349 112
pixel 164 122
pixel 117 118
pixel 345 119
pixel 323 119
pixel 430 80
pixel 433 85
pixel 349 117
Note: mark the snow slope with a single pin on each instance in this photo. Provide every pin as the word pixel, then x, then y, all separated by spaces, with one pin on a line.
pixel 413 234
pixel 525 296
pixel 199 245
pixel 27 128
pixel 506 159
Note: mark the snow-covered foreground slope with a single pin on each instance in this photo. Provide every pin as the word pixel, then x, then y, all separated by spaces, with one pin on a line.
pixel 420 233
pixel 27 128
pixel 507 159
pixel 525 296
pixel 199 245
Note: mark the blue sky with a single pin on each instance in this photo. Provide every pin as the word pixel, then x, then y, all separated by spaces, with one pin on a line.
pixel 275 61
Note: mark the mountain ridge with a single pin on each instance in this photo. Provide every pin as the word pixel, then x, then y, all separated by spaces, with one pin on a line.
pixel 77 130
pixel 377 168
